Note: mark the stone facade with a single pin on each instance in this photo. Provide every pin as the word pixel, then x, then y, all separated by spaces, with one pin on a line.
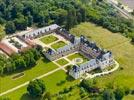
pixel 99 58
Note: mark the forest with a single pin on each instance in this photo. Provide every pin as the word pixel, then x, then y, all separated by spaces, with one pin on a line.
pixel 20 14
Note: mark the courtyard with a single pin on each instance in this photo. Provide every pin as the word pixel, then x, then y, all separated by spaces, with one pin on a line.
pixel 53 73
pixel 77 58
pixel 48 39
pixel 58 45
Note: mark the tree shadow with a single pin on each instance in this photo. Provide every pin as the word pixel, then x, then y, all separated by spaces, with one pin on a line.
pixel 26 96
pixel 69 78
pixel 16 71
pixel 45 60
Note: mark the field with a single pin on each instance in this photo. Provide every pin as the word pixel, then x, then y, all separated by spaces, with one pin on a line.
pixel 49 39
pixel 122 50
pixel 51 82
pixel 58 45
pixel 43 66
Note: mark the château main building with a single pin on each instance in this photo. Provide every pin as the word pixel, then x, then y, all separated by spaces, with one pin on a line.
pixel 98 58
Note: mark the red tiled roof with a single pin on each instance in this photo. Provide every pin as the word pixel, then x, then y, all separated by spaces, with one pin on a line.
pixel 6 49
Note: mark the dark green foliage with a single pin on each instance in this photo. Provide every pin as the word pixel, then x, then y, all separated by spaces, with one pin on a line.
pixel 127 90
pixel 19 61
pixel 67 13
pixel 132 40
pixel 10 28
pixel 89 86
pixel 108 95
pixel 119 93
pixel 36 88
pixel 47 96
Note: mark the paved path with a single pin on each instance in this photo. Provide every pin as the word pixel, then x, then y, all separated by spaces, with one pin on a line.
pixel 44 75
pixel 105 72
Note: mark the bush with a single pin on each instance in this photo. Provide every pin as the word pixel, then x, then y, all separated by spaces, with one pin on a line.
pixel 132 92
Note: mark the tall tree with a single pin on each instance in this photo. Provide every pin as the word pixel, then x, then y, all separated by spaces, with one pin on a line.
pixel 108 95
pixel 71 18
pixel 36 88
pixel 10 28
pixel 119 93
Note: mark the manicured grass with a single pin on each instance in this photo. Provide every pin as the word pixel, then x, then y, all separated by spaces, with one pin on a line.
pixel 62 62
pixel 51 82
pixel 43 66
pixel 49 39
pixel 129 97
pixel 122 50
pixel 58 45
pixel 77 55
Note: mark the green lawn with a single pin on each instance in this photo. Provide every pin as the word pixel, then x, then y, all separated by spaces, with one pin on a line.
pixel 43 66
pixel 49 39
pixel 122 49
pixel 51 82
pixel 77 55
pixel 58 45
pixel 62 62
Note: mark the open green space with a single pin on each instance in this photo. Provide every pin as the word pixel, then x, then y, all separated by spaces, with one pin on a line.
pixel 58 45
pixel 77 55
pixel 62 62
pixel 49 39
pixel 122 50
pixel 51 82
pixel 43 66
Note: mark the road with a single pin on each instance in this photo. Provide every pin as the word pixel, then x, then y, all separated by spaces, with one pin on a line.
pixel 125 13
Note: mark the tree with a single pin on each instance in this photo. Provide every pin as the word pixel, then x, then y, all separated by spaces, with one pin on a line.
pixel 133 12
pixel 119 93
pixel 36 88
pixel 132 40
pixel 21 22
pixel 30 19
pixel 127 90
pixel 71 18
pixel 108 95
pixel 2 33
pixel 10 28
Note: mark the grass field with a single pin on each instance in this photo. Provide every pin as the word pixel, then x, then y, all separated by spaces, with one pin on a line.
pixel 58 45
pixel 62 62
pixel 77 55
pixel 122 49
pixel 123 52
pixel 51 82
pixel 43 66
pixel 49 39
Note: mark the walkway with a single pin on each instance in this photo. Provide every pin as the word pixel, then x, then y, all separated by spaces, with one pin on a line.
pixel 105 72
pixel 44 75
